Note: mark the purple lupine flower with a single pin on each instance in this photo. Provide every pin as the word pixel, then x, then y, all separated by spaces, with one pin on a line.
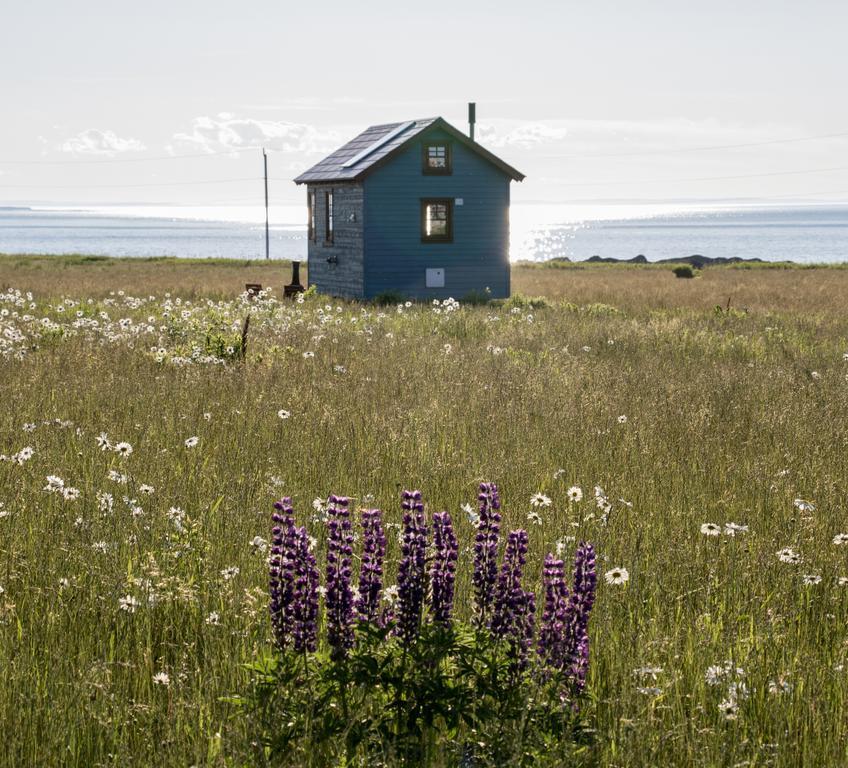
pixel 508 592
pixel 443 569
pixel 280 570
pixel 305 594
pixel 514 612
pixel 550 646
pixel 371 568
pixel 576 617
pixel 486 551
pixel 340 616
pixel 412 574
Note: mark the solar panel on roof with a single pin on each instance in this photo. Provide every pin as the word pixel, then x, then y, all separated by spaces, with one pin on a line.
pixel 377 144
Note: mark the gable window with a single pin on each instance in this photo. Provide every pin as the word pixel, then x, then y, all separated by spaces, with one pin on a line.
pixel 437 220
pixel 310 204
pixel 328 217
pixel 437 158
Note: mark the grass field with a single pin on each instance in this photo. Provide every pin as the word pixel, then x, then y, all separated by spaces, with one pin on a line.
pixel 126 610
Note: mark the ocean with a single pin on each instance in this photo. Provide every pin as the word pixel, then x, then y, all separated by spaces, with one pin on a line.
pixel 800 233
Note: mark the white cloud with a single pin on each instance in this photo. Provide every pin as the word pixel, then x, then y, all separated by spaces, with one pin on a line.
pixel 228 132
pixel 526 135
pixel 95 142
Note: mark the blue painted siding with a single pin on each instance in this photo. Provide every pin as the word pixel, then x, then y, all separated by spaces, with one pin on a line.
pixel 395 257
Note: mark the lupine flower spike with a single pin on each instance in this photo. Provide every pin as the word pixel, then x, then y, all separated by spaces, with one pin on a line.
pixel 581 600
pixel 412 574
pixel 550 643
pixel 443 570
pixel 340 617
pixel 514 611
pixel 371 568
pixel 486 551
pixel 281 577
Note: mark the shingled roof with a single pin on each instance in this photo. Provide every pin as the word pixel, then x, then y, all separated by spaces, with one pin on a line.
pixel 377 144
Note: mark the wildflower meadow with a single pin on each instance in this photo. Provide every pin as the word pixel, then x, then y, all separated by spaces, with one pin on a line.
pixel 603 526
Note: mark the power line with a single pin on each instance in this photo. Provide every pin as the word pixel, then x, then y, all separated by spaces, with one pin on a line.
pixel 125 186
pixel 708 148
pixel 701 178
pixel 112 160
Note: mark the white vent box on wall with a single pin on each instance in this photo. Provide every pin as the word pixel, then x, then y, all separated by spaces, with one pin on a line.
pixel 435 278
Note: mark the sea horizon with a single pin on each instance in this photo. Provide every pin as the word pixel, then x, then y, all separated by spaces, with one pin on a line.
pixel 802 232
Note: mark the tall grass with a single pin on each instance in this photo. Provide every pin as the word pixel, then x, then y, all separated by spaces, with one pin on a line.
pixel 729 417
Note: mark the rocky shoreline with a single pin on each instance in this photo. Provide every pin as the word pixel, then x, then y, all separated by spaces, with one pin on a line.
pixel 695 260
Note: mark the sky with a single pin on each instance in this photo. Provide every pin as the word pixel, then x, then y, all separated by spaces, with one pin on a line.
pixel 171 102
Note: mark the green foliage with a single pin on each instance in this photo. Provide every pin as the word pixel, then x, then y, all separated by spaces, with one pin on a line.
pixel 477 298
pixel 453 695
pixel 520 301
pixel 387 298
pixel 684 271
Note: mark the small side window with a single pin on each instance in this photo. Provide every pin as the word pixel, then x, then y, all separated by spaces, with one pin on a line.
pixel 329 215
pixel 437 158
pixel 310 204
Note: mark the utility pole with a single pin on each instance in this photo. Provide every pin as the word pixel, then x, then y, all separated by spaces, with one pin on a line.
pixel 267 240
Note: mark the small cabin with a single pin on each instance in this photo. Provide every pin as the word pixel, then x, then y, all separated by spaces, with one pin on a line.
pixel 417 209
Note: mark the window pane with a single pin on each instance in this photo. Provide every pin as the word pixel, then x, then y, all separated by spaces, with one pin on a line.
pixel 436 220
pixel 437 156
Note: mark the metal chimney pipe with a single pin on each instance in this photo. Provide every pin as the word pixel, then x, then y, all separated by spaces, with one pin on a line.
pixel 472 118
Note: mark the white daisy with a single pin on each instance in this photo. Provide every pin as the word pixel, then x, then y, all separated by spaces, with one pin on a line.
pixel 811 579
pixel 617 576
pixel 123 449
pixel 575 493
pixel 391 594
pixel 729 708
pixel 840 539
pixel 789 555
pixel 128 603
pixel 161 678
pixel 230 572
pixel 117 477
pixel 192 441
pixel 283 413
pixel 55 484
pixel 710 529
pixel 804 506
pixel 540 500
pixel 25 454
pixel 731 529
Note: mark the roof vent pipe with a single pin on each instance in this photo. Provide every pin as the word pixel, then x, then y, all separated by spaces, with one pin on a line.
pixel 472 118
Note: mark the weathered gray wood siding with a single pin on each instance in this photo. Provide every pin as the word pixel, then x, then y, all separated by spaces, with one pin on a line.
pixel 346 276
pixel 478 257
